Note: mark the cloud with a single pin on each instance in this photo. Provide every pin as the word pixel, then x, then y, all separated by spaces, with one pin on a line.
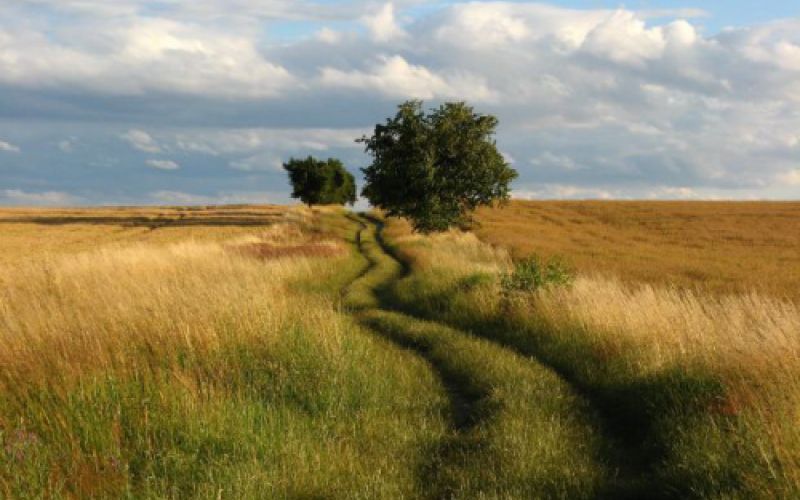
pixel 623 38
pixel 395 77
pixel 791 177
pixel 578 192
pixel 679 193
pixel 237 141
pixel 167 197
pixel 50 198
pixel 591 102
pixel 562 191
pixel 382 25
pixel 244 12
pixel 682 13
pixel 8 147
pixel 550 160
pixel 329 36
pixel 487 24
pixel 140 55
pixel 163 164
pixel 66 146
pixel 264 162
pixel 141 140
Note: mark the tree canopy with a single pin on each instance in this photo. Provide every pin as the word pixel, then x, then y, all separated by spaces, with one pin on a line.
pixel 318 182
pixel 435 169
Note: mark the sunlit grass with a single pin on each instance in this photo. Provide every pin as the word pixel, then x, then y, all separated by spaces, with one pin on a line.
pixel 190 369
pixel 212 353
pixel 516 429
pixel 29 234
pixel 705 384
pixel 721 247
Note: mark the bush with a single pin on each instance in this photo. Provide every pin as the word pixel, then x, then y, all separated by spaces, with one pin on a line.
pixel 533 273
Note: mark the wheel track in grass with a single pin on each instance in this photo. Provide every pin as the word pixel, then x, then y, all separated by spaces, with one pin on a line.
pixel 631 460
pixel 490 388
pixel 459 401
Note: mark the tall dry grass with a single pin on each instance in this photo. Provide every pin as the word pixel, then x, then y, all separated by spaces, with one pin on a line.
pixel 196 369
pixel 720 370
pixel 95 311
pixel 29 234
pixel 749 343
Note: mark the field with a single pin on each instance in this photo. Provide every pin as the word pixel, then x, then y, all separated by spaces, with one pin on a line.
pixel 184 357
pixel 31 234
pixel 723 247
pixel 282 352
pixel 698 389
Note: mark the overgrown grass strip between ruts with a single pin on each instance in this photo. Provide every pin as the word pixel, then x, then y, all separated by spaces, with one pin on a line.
pixel 517 431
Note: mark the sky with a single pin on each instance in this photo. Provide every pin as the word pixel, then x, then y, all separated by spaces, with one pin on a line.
pixel 199 102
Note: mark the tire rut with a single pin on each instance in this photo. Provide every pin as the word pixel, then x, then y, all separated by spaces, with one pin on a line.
pixel 462 404
pixel 631 462
pixel 470 405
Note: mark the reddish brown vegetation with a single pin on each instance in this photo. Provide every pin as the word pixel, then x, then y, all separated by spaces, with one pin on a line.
pixel 269 251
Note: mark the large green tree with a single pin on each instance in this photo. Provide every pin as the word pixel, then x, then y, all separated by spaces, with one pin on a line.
pixel 435 168
pixel 318 182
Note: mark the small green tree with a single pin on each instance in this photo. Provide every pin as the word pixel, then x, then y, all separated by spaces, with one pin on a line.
pixel 317 182
pixel 435 169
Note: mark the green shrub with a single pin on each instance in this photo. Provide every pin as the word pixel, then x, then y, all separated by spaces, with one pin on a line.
pixel 533 273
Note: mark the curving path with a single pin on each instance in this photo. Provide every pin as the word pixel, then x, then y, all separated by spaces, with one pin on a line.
pixel 631 459
pixel 517 430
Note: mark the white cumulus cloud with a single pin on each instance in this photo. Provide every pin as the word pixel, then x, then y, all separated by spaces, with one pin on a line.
pixel 394 76
pixel 163 164
pixel 329 36
pixel 168 197
pixel 382 25
pixel 141 140
pixel 238 141
pixel 51 198
pixel 8 147
pixel 791 177
pixel 624 38
pixel 66 146
pixel 140 55
pixel 263 162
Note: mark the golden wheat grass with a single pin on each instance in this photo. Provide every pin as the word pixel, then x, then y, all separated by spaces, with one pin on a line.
pixel 31 233
pixel 721 247
pixel 189 368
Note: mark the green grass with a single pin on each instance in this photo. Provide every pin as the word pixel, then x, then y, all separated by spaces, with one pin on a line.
pixel 519 432
pixel 516 430
pixel 661 428
pixel 291 422
pixel 352 376
pixel 277 414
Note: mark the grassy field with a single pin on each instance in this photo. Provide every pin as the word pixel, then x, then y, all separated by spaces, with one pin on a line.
pixel 186 364
pixel 515 430
pixel 32 234
pixel 244 352
pixel 724 247
pixel 699 389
